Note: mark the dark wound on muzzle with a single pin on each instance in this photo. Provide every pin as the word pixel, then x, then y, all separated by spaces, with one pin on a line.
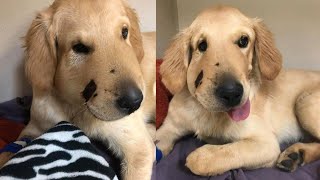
pixel 89 90
pixel 199 79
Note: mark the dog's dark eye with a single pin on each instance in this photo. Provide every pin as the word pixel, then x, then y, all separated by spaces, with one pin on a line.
pixel 124 32
pixel 243 41
pixel 81 48
pixel 203 46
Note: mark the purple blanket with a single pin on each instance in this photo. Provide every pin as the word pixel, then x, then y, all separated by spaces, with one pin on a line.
pixel 172 167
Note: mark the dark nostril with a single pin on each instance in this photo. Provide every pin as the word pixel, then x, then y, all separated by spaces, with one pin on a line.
pixel 130 100
pixel 230 93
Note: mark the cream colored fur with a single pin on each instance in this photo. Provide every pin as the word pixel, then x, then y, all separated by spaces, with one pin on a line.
pixel 281 100
pixel 58 77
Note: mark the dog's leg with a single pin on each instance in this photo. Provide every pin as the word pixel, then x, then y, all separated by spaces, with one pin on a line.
pixel 151 127
pixel 307 111
pixel 249 153
pixel 168 133
pixel 5 157
pixel 129 139
pixel 45 113
pixel 297 155
pixel 136 148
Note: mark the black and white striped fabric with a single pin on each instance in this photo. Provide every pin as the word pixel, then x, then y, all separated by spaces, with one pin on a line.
pixel 63 152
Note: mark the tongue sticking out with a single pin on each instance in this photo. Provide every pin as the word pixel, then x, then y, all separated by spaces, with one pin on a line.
pixel 240 113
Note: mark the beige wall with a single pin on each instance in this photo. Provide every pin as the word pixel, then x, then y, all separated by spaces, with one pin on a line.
pixel 146 10
pixel 167 24
pixel 295 24
pixel 15 18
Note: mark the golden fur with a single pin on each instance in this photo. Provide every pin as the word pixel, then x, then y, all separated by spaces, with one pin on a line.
pixel 58 76
pixel 281 100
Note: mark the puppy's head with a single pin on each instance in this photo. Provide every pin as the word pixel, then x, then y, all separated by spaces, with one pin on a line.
pixel 87 52
pixel 221 58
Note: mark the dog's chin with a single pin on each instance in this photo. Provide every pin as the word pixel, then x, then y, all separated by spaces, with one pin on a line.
pixel 96 114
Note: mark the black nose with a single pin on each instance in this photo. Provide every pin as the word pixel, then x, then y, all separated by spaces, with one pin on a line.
pixel 230 93
pixel 130 99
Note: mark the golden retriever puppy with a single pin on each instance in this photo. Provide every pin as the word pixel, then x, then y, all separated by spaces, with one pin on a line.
pixel 226 76
pixel 89 64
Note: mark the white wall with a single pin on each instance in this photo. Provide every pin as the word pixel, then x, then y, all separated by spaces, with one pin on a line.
pixel 167 24
pixel 295 24
pixel 16 17
pixel 146 10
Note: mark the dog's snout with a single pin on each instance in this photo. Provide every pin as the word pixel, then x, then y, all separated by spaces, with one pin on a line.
pixel 230 93
pixel 130 100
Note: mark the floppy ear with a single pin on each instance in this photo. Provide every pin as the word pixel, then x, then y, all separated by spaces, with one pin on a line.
pixel 266 53
pixel 41 60
pixel 173 70
pixel 134 32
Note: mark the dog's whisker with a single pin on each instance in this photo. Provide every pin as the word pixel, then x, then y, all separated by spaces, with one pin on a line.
pixel 81 109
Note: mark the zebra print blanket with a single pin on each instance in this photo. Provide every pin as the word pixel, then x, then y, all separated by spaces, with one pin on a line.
pixel 63 152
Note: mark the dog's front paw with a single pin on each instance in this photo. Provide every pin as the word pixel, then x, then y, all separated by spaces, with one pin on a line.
pixel 206 161
pixel 164 146
pixel 291 158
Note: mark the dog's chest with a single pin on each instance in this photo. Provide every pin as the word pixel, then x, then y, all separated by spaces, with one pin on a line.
pixel 221 129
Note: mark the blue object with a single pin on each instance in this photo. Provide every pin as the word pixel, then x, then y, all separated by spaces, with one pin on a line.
pixel 14 147
pixel 158 154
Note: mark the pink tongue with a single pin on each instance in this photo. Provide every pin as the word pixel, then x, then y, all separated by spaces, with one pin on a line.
pixel 240 113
